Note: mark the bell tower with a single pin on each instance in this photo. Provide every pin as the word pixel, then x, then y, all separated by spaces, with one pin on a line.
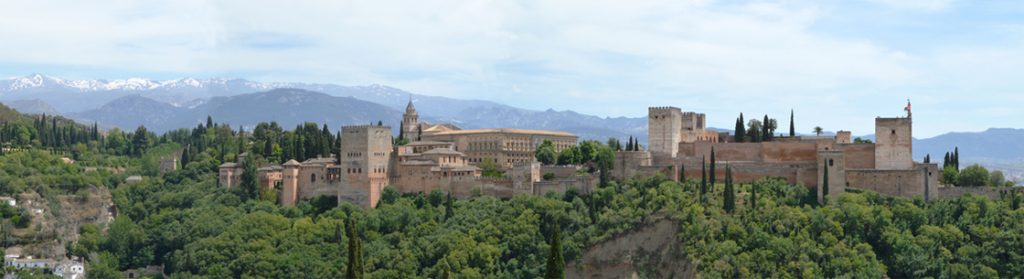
pixel 410 119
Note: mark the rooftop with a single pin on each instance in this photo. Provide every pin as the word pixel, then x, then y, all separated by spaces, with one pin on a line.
pixel 443 151
pixel 507 131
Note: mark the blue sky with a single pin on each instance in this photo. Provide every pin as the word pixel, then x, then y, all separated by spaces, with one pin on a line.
pixel 837 63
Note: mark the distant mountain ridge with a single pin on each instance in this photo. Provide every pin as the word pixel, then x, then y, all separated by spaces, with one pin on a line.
pixel 288 107
pixel 88 100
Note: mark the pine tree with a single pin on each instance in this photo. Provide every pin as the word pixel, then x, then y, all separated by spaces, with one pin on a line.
pixel 792 127
pixel 556 263
pixel 209 121
pixel 728 196
pixel 711 174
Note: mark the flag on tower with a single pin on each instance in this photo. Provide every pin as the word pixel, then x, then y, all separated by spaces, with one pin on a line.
pixel 907 108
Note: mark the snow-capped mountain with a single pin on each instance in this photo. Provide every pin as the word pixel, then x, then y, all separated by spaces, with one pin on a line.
pixel 39 81
pixel 101 100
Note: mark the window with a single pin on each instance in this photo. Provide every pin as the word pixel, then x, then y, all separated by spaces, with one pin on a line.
pixel 830 162
pixel 893 132
pixel 312 177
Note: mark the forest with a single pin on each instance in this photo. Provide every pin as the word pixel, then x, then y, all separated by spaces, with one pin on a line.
pixel 183 221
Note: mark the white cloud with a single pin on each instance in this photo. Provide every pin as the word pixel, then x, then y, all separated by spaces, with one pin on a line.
pixel 717 57
pixel 923 5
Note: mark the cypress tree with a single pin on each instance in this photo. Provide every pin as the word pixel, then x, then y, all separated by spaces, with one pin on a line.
pixel 766 134
pixel 792 127
pixel 956 158
pixel 711 174
pixel 354 265
pixel 824 186
pixel 209 122
pixel 556 263
pixel 703 179
pixel 728 197
pixel 753 196
pixel 741 133
pixel 419 133
pixel 185 156
pixel 449 208
pixel 401 130
pixel 736 131
pixel 945 161
pixel 629 144
pixel 682 173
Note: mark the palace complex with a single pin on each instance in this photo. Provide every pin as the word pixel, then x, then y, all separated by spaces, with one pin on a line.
pixel 445 157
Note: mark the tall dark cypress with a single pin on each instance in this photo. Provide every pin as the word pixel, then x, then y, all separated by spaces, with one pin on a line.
pixel 353 268
pixel 185 156
pixel 741 133
pixel 703 178
pixel 945 161
pixel 556 263
pixel 449 207
pixel 956 158
pixel 712 168
pixel 766 133
pixel 792 127
pixel 682 173
pixel 728 196
pixel 824 186
pixel 737 129
pixel 753 196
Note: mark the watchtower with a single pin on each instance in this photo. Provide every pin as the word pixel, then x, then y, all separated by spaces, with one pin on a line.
pixel 893 143
pixel 365 159
pixel 664 130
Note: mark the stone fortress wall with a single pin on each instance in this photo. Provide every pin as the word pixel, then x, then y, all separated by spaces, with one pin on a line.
pixel 448 158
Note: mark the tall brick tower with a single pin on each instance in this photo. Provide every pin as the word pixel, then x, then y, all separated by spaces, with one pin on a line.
pixel 365 157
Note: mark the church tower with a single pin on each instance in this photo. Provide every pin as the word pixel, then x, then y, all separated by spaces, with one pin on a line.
pixel 410 120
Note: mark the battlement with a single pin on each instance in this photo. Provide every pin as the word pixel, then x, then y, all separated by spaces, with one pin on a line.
pixel 663 109
pixel 365 127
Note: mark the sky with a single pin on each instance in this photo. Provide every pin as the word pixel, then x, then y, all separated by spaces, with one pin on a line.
pixel 837 64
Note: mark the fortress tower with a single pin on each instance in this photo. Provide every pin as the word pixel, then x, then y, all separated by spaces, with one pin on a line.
pixel 410 120
pixel 290 183
pixel 664 130
pixel 893 143
pixel 365 161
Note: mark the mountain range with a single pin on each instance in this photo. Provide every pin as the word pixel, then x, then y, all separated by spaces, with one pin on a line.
pixel 169 104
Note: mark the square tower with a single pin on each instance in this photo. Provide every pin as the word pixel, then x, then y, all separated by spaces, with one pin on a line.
pixel 365 161
pixel 893 143
pixel 664 130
